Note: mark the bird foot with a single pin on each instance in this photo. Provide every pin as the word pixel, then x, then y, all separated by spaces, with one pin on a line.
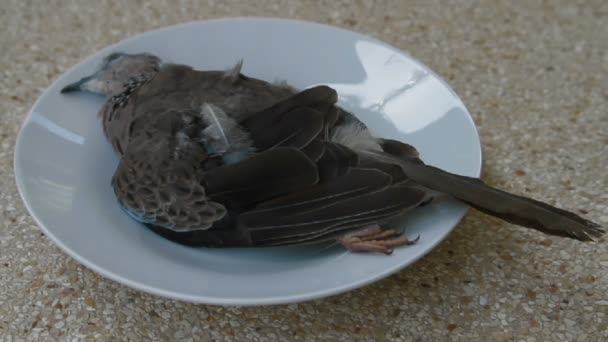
pixel 375 239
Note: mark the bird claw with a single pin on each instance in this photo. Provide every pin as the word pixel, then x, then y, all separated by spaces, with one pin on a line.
pixel 375 239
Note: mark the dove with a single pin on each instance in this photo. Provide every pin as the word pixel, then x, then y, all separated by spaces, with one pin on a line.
pixel 219 159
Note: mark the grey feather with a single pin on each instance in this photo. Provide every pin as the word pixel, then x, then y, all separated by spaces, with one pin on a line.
pixel 233 73
pixel 223 135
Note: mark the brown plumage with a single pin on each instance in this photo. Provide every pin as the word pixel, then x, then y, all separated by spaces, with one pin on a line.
pixel 216 158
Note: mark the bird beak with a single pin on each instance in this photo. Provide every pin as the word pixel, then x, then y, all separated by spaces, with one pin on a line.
pixel 76 86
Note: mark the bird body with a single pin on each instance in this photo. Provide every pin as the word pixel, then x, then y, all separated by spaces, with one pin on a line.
pixel 219 159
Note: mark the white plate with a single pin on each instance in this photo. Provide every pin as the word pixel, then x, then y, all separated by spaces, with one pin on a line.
pixel 63 165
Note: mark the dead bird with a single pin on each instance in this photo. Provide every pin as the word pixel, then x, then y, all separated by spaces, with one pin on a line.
pixel 220 159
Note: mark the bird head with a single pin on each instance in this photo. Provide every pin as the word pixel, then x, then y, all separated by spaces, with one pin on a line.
pixel 115 72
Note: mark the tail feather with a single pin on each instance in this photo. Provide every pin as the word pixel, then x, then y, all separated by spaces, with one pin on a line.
pixel 512 208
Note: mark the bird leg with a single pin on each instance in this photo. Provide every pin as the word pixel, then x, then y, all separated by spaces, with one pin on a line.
pixel 375 239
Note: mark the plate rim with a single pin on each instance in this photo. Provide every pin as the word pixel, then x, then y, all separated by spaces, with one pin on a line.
pixel 199 299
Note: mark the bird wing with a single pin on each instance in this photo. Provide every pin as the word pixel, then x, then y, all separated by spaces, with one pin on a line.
pixel 158 179
pixel 299 187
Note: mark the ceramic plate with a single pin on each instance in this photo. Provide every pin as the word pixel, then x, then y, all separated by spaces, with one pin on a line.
pixel 63 164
